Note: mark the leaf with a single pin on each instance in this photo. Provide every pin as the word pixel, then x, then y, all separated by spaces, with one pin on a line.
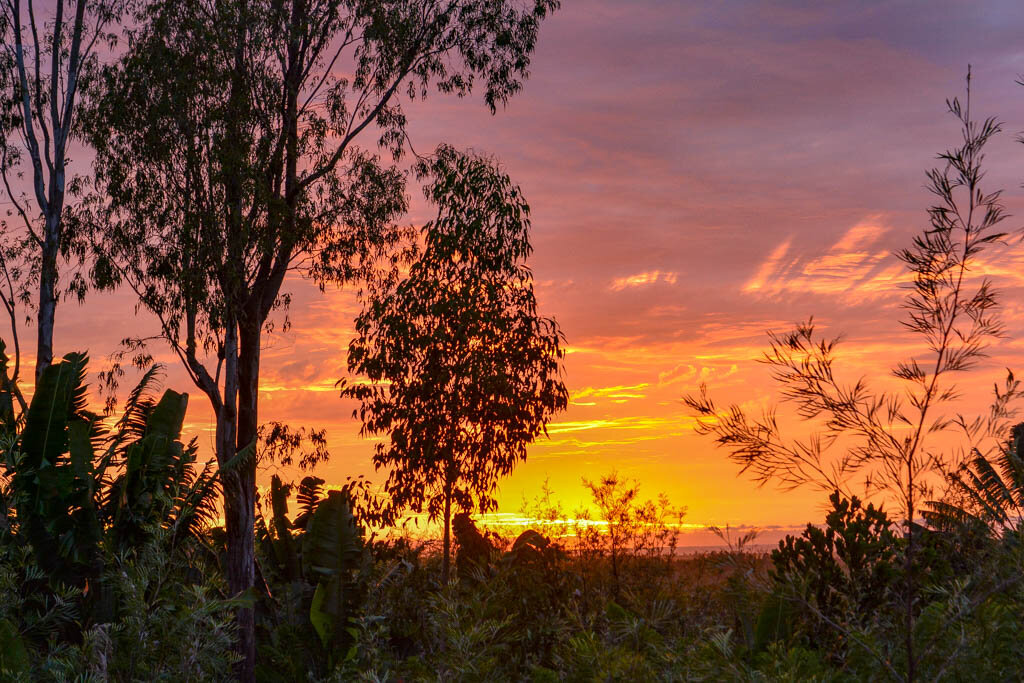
pixel 308 497
pixel 239 459
pixel 169 415
pixel 332 546
pixel 774 621
pixel 283 542
pixel 333 541
pixel 59 397
pixel 14 659
pixel 80 448
pixel 322 622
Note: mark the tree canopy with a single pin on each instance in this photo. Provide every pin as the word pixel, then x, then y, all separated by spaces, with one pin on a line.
pixel 463 372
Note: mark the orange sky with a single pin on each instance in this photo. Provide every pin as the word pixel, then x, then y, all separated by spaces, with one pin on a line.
pixel 698 176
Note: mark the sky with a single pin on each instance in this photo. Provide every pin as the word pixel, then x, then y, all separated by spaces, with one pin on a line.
pixel 699 174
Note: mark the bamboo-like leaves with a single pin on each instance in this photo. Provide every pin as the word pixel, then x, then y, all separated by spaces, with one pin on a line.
pixel 885 435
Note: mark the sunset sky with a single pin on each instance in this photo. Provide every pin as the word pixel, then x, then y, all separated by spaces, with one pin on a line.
pixel 699 174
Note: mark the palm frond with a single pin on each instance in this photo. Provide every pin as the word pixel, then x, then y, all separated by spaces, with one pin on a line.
pixel 988 489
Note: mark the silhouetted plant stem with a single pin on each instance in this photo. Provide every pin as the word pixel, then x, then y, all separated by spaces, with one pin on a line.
pixel 447 542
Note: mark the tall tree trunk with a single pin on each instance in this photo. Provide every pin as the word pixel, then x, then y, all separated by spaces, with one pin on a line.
pixel 446 559
pixel 240 497
pixel 239 481
pixel 241 541
pixel 47 298
pixel 239 517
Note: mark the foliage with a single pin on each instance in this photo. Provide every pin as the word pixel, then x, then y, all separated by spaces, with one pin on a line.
pixel 474 548
pixel 227 156
pixel 631 528
pixel 332 547
pixel 159 483
pixel 170 623
pixel 168 628
pixel 888 436
pixel 49 55
pixel 842 573
pixel 463 372
pixel 315 567
pixel 987 491
pixel 538 609
pixel 55 475
pixel 74 485
pixel 279 444
pixel 104 537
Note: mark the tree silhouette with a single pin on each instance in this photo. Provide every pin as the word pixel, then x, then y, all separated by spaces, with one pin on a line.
pixel 44 62
pixel 463 372
pixel 227 158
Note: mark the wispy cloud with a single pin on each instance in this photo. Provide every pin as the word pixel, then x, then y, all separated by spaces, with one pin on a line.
pixel 618 394
pixel 687 372
pixel 629 422
pixel 649 277
pixel 856 266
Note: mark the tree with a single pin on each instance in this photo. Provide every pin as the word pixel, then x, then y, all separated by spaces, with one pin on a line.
pixel 227 158
pixel 888 436
pixel 463 372
pixel 44 65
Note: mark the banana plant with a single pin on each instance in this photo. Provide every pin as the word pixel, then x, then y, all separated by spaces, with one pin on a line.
pixel 333 546
pixel 323 549
pixel 74 492
pixel 9 393
pixel 158 483
pixel 283 542
pixel 54 476
pixel 990 490
pixel 73 484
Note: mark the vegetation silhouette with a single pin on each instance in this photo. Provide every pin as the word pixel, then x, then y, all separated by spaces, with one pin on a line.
pixel 86 508
pixel 464 373
pixel 227 156
pixel 886 436
pixel 239 141
pixel 44 67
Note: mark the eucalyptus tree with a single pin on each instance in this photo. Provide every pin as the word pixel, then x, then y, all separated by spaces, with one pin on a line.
pixel 50 51
pixel 464 374
pixel 228 155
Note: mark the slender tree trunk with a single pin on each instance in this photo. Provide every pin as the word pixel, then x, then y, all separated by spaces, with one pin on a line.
pixel 241 550
pixel 240 498
pixel 239 482
pixel 47 300
pixel 446 559
pixel 239 517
